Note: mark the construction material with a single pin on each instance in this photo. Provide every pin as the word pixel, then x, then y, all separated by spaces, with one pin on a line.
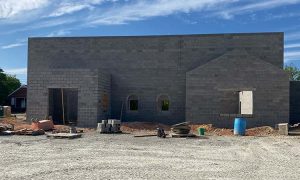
pixel 201 131
pixel 173 135
pixel 30 132
pixel 109 126
pixel 46 125
pixel 181 130
pixel 5 111
pixel 239 126
pixel 6 133
pixel 145 135
pixel 5 127
pixel 161 133
pixel 283 129
pixel 73 129
pixel 64 135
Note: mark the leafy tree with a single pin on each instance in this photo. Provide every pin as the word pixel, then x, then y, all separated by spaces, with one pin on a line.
pixel 8 84
pixel 293 72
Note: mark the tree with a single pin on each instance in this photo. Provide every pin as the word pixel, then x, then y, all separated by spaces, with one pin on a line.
pixel 8 84
pixel 293 72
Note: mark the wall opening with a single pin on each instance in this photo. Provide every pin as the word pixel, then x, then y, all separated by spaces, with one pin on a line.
pixel 237 102
pixel 246 102
pixel 163 103
pixel 133 103
pixel 63 105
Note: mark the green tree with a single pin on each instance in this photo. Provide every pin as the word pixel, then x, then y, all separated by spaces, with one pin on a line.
pixel 8 84
pixel 293 72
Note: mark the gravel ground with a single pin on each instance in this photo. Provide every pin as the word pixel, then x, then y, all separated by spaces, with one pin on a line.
pixel 97 156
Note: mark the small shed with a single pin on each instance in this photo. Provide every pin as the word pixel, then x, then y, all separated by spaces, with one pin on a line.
pixel 18 99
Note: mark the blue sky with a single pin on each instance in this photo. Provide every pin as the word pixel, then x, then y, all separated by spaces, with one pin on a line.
pixel 20 19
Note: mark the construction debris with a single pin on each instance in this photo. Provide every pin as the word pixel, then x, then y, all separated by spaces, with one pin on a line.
pixel 30 132
pixel 283 129
pixel 109 126
pixel 181 130
pixel 5 111
pixel 46 125
pixel 64 135
pixel 161 133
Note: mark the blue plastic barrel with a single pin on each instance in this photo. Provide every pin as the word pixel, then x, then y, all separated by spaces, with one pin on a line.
pixel 239 126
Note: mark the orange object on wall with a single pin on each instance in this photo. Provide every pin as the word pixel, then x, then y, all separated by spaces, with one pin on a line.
pixel 42 124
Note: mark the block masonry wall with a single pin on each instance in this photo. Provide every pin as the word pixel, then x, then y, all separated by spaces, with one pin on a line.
pixel 145 66
pixel 210 87
pixel 86 81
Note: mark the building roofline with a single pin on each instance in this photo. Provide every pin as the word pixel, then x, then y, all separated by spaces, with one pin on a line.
pixel 22 86
pixel 153 36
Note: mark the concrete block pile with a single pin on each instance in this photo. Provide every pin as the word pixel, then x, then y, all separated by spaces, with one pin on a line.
pixel 109 126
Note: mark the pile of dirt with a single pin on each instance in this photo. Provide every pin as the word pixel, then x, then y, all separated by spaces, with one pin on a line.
pixel 257 131
pixel 143 126
pixel 262 131
pixel 17 123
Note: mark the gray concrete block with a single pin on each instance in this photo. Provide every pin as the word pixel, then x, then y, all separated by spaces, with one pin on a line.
pixel 283 129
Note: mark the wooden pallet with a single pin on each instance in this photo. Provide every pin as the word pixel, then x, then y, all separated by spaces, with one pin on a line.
pixel 64 135
pixel 173 135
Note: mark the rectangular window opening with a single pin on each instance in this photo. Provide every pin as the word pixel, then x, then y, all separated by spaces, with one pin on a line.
pixel 165 105
pixel 133 105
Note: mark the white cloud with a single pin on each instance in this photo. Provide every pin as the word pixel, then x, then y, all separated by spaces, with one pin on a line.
pixel 289 46
pixel 146 9
pixel 292 55
pixel 252 7
pixel 58 33
pixel 11 8
pixel 16 71
pixel 69 8
pixel 18 43
pixel 9 46
pixel 292 36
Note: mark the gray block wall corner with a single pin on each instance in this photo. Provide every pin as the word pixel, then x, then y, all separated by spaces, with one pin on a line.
pixel 152 66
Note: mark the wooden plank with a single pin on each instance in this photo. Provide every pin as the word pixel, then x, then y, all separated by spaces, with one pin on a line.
pixel 64 135
pixel 145 135
pixel 182 135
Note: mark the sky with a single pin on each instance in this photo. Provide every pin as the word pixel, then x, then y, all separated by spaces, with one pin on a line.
pixel 20 19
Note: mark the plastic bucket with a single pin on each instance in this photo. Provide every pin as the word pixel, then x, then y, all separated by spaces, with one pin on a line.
pixel 239 126
pixel 201 131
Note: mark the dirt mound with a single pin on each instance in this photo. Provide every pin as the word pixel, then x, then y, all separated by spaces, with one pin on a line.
pixel 257 131
pixel 17 123
pixel 261 131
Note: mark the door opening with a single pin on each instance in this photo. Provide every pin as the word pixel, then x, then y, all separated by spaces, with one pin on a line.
pixel 63 105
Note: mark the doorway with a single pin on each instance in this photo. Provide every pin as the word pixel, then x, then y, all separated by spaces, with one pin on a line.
pixel 63 105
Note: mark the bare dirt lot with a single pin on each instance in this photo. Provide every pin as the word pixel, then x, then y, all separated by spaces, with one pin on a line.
pixel 121 156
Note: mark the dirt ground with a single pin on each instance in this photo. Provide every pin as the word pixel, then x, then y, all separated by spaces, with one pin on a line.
pixel 121 156
pixel 262 154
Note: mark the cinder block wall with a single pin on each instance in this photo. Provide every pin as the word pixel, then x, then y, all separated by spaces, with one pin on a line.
pixel 104 97
pixel 85 80
pixel 145 66
pixel 237 71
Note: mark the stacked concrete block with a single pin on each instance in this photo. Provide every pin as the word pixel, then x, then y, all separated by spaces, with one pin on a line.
pixel 109 126
pixel 283 129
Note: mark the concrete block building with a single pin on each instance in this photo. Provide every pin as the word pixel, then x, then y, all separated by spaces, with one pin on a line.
pixel 166 79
